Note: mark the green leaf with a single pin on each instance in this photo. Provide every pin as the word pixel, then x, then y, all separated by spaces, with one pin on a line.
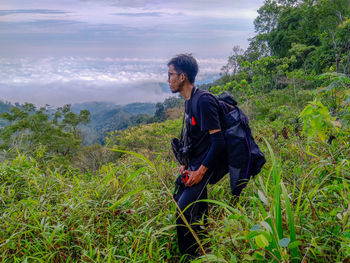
pixel 294 244
pixel 133 175
pixel 253 234
pixel 222 204
pixel 126 196
pixel 261 241
pixel 284 242
pixel 232 217
pixel 294 250
pixel 140 156
pixel 248 257
pixel 267 235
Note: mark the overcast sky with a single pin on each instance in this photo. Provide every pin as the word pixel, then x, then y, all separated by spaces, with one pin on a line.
pixel 46 44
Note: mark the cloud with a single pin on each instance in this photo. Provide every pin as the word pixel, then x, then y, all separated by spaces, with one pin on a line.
pixel 140 37
pixel 114 50
pixel 31 11
pixel 81 79
pixel 124 28
pixel 152 14
pixel 181 4
pixel 126 3
pixel 60 93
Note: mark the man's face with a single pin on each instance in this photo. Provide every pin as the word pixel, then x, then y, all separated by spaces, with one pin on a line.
pixel 174 80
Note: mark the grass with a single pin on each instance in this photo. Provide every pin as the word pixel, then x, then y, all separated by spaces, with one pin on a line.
pixel 295 210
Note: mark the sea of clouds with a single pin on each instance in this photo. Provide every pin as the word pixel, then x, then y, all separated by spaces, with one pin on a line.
pixel 57 81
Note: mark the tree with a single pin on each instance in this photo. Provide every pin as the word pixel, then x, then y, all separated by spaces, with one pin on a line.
pixel 5 106
pixel 159 115
pixel 257 49
pixel 343 43
pixel 267 19
pixel 30 129
pixel 173 102
pixel 300 53
pixel 232 65
pixel 287 32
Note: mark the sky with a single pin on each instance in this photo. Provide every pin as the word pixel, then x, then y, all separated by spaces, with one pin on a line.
pixel 68 51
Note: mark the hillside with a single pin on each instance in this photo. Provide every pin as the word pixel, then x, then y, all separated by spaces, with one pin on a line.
pixel 107 117
pixel 124 210
pixel 98 107
pixel 61 201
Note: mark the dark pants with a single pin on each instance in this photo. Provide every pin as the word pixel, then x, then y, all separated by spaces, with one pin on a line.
pixel 187 242
pixel 197 211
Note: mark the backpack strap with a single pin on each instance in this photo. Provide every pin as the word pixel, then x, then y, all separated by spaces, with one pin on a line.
pixel 185 125
pixel 217 100
pixel 183 132
pixel 194 102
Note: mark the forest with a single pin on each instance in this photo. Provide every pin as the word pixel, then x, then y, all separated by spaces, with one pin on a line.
pixel 62 201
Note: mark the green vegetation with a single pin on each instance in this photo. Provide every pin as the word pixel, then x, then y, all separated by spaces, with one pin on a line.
pixel 109 117
pixel 114 203
pixel 42 132
pixel 4 107
pixel 296 208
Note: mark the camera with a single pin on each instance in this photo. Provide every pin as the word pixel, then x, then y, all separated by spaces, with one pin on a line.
pixel 184 177
pixel 181 151
pixel 185 152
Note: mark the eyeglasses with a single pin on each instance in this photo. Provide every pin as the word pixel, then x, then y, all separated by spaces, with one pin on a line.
pixel 172 73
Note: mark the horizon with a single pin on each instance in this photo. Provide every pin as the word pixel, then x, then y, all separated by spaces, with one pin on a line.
pixel 113 50
pixel 73 80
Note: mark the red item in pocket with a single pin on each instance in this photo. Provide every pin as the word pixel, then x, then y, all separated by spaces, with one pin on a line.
pixel 193 121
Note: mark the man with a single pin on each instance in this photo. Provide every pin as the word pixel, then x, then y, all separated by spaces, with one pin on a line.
pixel 207 146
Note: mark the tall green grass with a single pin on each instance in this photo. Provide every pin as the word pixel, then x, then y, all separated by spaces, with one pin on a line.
pixel 296 209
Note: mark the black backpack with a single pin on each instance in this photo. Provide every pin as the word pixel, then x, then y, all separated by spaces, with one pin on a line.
pixel 244 158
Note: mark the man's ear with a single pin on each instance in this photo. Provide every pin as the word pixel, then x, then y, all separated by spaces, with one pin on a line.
pixel 183 77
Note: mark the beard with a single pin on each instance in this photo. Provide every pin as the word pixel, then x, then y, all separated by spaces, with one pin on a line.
pixel 179 88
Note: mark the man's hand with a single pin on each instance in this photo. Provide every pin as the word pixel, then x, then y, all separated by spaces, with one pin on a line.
pixel 196 176
pixel 182 168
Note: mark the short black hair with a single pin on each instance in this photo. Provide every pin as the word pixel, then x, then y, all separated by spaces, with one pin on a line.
pixel 185 63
